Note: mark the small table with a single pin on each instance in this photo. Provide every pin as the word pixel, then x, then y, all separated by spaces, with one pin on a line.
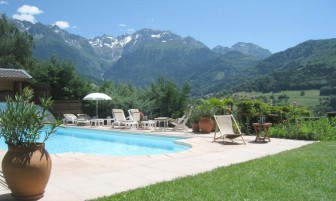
pixel 131 124
pixel 97 122
pixel 149 124
pixel 160 121
pixel 109 121
pixel 258 127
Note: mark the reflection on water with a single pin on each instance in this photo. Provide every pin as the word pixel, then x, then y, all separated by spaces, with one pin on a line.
pixel 49 118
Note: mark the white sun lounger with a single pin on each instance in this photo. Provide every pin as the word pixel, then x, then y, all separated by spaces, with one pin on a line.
pixel 121 121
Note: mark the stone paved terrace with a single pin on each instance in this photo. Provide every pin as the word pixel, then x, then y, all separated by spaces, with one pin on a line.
pixel 77 177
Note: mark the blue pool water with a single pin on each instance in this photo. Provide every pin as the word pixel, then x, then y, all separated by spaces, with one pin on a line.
pixel 108 143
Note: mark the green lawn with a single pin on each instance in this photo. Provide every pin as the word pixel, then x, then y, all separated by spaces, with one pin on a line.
pixel 307 173
pixel 311 97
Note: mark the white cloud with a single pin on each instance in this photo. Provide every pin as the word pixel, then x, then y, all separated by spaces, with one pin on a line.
pixel 130 31
pixel 124 27
pixel 62 24
pixel 25 17
pixel 30 10
pixel 3 2
pixel 27 13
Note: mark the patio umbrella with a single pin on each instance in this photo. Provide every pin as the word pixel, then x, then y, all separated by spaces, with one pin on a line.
pixel 97 97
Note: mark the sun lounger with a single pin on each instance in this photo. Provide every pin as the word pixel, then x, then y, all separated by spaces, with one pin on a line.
pixel 180 123
pixel 83 119
pixel 121 121
pixel 69 118
pixel 134 114
pixel 94 121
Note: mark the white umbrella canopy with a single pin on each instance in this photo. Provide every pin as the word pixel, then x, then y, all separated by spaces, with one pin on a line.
pixel 97 97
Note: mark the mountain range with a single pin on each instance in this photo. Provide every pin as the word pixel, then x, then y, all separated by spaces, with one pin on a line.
pixel 140 57
pixel 245 48
pixel 309 65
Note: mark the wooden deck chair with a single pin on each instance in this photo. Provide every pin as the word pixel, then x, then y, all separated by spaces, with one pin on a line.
pixel 225 128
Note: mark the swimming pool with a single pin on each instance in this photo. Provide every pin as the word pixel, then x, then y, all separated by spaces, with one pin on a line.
pixel 69 140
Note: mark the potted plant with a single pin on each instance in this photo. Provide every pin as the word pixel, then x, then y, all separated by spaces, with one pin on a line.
pixel 27 165
pixel 206 113
pixel 193 119
pixel 219 107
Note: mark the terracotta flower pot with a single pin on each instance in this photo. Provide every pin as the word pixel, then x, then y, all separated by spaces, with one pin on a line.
pixel 205 124
pixel 27 171
pixel 214 126
pixel 195 127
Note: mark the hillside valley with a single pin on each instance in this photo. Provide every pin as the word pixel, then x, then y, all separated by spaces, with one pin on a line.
pixel 141 57
pixel 309 65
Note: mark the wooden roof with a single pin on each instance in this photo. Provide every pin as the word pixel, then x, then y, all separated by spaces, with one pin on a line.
pixel 14 75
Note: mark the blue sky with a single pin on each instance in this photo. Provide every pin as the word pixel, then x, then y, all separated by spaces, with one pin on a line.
pixel 274 25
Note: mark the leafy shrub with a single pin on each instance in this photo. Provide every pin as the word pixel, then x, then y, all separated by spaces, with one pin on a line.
pixel 249 112
pixel 323 129
pixel 22 122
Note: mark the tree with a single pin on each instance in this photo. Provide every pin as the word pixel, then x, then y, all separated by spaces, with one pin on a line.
pixel 124 96
pixel 168 99
pixel 15 46
pixel 64 81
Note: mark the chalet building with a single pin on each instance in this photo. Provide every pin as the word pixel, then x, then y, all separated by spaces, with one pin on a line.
pixel 13 81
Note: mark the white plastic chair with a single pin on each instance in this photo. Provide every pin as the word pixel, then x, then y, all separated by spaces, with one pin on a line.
pixel 69 118
pixel 120 119
pixel 180 123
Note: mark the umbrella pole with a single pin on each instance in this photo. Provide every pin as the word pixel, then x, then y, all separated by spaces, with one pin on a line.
pixel 97 109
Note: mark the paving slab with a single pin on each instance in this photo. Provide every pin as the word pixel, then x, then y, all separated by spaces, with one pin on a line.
pixel 77 176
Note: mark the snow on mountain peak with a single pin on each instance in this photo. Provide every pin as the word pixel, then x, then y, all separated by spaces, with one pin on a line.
pixel 127 40
pixel 110 41
pixel 159 35
pixel 156 36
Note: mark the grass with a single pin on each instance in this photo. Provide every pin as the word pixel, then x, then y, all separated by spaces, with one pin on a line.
pixel 307 173
pixel 311 97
